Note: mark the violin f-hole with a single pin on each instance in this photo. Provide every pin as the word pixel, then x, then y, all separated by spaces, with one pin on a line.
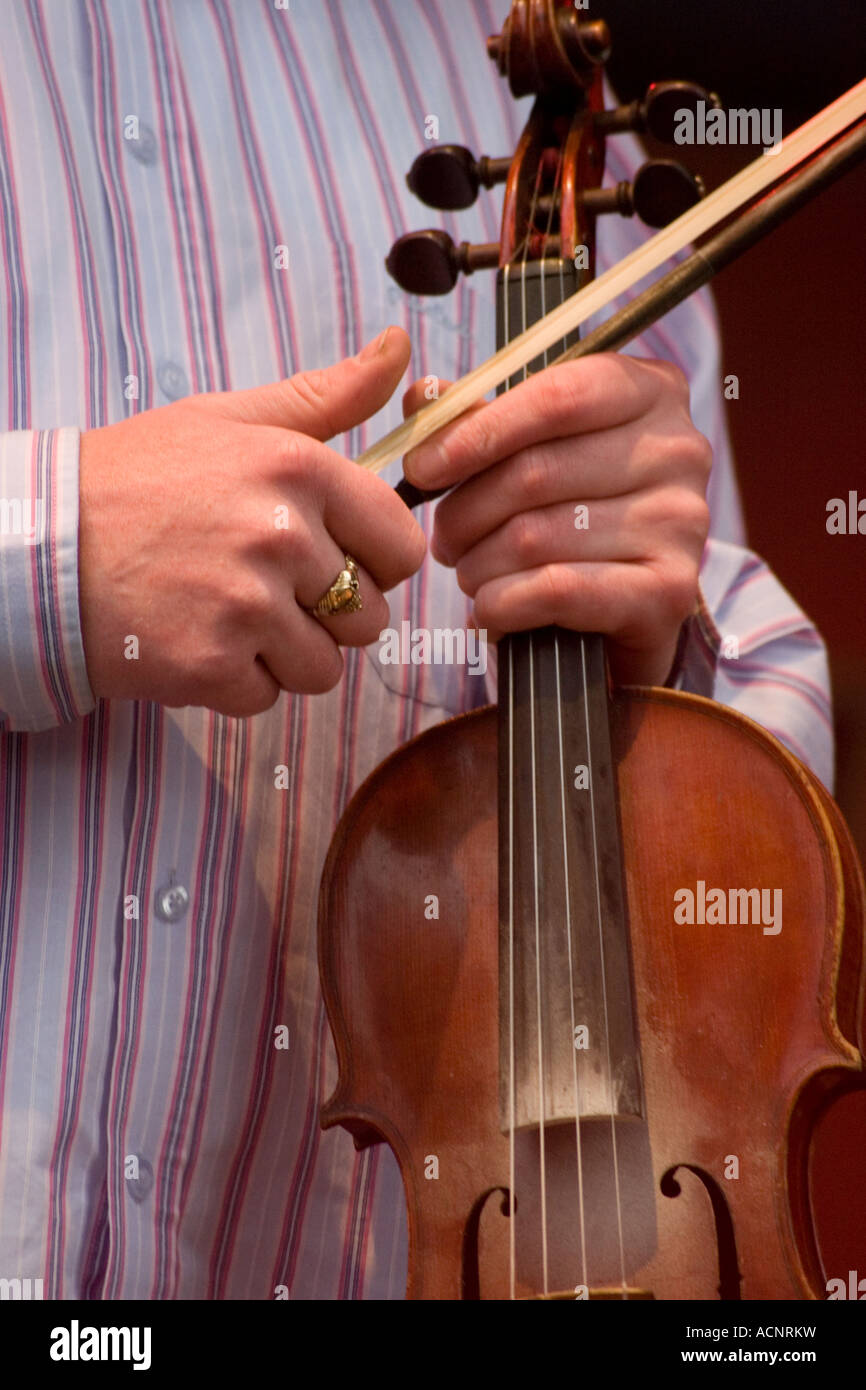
pixel 730 1277
pixel 471 1275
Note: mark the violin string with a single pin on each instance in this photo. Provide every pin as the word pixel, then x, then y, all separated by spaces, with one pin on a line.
pixel 557 186
pixel 578 1138
pixel 536 881
pixel 537 876
pixel 566 885
pixel 523 252
pixel 510 909
pixel 571 971
pixel 524 256
pixel 512 1225
pixel 600 929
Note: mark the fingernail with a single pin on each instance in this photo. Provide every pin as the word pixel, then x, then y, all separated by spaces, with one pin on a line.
pixel 425 465
pixel 374 347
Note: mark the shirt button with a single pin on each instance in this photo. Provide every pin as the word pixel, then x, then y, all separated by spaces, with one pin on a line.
pixel 138 1187
pixel 172 380
pixel 172 901
pixel 144 149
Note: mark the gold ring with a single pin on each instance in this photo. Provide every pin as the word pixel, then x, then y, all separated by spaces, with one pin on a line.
pixel 343 596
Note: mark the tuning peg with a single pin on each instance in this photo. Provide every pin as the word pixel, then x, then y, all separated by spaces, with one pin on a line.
pixel 662 190
pixel 429 262
pixel 658 113
pixel 449 176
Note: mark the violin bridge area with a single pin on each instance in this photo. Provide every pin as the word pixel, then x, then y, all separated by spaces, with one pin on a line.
pixel 561 1131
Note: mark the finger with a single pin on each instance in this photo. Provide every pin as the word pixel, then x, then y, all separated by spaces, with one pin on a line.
pixel 607 464
pixel 292 632
pixel 328 401
pixel 246 690
pixel 610 530
pixel 359 511
pixel 629 603
pixel 597 393
pixel 254 690
pixel 638 459
pixel 349 629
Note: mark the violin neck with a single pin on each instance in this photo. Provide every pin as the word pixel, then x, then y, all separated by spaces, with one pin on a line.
pixel 567 1015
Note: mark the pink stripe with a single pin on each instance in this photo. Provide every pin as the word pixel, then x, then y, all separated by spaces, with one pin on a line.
pixel 367 1220
pixel 121 213
pixel 792 744
pixel 98 730
pixel 202 1088
pixel 209 867
pixel 90 732
pixel 749 574
pixel 792 625
pixel 38 630
pixel 347 723
pixel 25 298
pixel 351 1214
pixel 389 231
pixel 757 683
pixel 797 678
pixel 267 267
pixel 319 177
pixel 117 1113
pixel 213 242
pixel 174 79
pixel 254 1122
pixel 185 1030
pixel 19 812
pixel 50 79
pixel 64 664
pixel 175 221
pixel 669 343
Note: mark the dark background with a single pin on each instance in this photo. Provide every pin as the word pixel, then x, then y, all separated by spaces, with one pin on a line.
pixel 786 53
pixel 793 312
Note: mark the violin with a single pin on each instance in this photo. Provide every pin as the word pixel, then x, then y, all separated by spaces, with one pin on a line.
pixel 592 958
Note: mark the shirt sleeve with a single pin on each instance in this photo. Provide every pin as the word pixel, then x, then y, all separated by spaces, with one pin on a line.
pixel 748 645
pixel 43 676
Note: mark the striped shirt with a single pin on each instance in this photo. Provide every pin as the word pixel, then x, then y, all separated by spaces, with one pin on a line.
pixel 155 155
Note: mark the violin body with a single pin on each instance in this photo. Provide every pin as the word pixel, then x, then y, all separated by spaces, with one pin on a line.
pixel 747 1028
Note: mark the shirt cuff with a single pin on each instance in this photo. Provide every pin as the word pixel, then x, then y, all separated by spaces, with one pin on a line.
pixel 749 645
pixel 698 648
pixel 43 675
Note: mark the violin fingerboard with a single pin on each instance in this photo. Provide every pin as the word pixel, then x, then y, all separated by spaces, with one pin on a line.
pixel 568 1032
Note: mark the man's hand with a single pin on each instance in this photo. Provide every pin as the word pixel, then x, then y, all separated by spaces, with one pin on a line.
pixel 180 545
pixel 611 434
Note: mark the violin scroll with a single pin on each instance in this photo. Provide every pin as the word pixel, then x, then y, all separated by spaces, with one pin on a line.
pixel 553 181
pixel 545 48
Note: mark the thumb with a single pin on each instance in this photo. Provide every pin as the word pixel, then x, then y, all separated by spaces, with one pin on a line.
pixel 325 402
